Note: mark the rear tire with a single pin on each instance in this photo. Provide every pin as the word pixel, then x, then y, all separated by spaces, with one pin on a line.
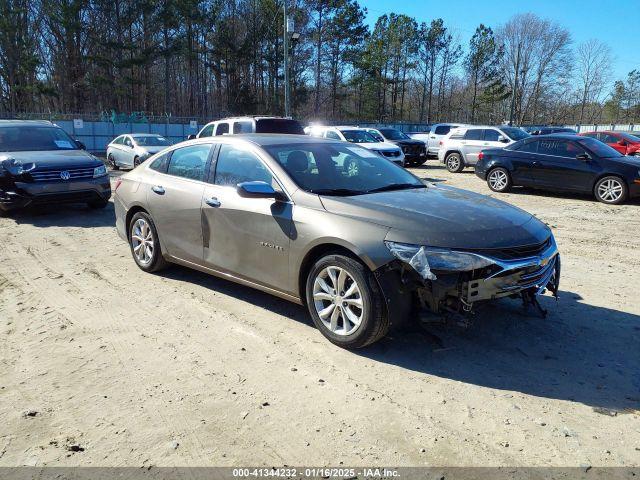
pixel 454 162
pixel 499 180
pixel 145 243
pixel 136 162
pixel 611 190
pixel 345 302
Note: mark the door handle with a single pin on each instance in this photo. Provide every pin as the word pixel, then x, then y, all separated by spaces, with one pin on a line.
pixel 158 189
pixel 213 202
pixel 485 143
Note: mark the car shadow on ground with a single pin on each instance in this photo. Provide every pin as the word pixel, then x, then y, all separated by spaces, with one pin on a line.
pixel 580 352
pixel 71 215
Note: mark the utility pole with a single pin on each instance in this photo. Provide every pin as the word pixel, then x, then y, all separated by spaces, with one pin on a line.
pixel 287 86
pixel 515 86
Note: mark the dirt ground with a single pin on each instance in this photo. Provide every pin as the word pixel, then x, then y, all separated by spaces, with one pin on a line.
pixel 102 364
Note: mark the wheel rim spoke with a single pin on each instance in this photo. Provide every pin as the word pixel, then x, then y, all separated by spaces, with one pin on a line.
pixel 337 300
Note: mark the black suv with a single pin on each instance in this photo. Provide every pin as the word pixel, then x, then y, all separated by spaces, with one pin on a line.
pixel 41 164
pixel 415 151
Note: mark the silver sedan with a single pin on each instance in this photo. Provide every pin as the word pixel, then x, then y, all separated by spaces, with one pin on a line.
pixel 131 150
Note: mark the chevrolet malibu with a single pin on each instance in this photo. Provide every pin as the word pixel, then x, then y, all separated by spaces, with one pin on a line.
pixel 362 248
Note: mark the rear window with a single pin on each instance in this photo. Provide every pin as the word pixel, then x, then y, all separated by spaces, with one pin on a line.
pixel 279 125
pixel 442 129
pixel 515 133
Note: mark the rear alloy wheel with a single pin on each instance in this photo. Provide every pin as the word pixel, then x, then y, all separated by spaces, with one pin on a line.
pixel 352 167
pixel 454 163
pixel 499 180
pixel 136 162
pixel 345 302
pixel 611 190
pixel 112 162
pixel 145 246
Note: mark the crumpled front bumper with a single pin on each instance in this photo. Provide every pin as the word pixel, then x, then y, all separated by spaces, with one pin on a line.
pixel 21 194
pixel 536 274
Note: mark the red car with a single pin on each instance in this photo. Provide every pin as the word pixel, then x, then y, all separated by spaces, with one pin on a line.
pixel 625 143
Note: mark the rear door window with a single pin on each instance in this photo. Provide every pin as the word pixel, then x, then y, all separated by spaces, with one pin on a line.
pixel 223 127
pixel 560 148
pixel 528 147
pixel 160 163
pixel 189 162
pixel 474 134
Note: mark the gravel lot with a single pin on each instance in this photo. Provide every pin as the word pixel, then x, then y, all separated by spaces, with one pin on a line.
pixel 102 364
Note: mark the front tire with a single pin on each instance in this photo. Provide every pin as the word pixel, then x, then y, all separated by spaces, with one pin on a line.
pixel 136 162
pixel 611 190
pixel 112 162
pixel 345 302
pixel 499 180
pixel 144 243
pixel 454 162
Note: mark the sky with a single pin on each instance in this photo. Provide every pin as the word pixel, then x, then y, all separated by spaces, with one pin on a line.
pixel 614 22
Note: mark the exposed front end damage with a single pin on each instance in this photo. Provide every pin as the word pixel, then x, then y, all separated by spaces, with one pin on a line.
pixel 453 282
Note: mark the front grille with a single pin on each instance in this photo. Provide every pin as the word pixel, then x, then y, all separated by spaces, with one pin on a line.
pixel 393 153
pixel 513 253
pixel 54 175
pixel 413 150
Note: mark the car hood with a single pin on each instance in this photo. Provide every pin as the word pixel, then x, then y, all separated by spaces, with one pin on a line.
pixel 378 146
pixel 55 158
pixel 407 142
pixel 443 217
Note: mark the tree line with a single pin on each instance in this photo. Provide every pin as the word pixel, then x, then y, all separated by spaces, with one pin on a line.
pixel 212 58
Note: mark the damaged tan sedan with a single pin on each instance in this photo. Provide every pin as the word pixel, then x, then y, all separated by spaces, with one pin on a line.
pixel 363 248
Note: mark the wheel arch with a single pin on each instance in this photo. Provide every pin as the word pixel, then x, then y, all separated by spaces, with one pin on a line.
pixel 602 175
pixel 318 251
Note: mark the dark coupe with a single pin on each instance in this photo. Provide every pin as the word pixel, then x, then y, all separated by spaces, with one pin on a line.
pixel 562 162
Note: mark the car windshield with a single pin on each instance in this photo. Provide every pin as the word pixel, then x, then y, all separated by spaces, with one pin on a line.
pixel 358 136
pixel 515 133
pixel 279 125
pixel 631 137
pixel 599 148
pixel 344 170
pixel 393 134
pixel 35 138
pixel 151 141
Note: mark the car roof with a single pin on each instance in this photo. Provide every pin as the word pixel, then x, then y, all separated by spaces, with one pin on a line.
pixel 270 139
pixel 559 136
pixel 134 135
pixel 23 123
pixel 250 117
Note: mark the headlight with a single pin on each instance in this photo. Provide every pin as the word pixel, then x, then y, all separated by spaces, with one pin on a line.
pixel 425 259
pixel 100 171
pixel 15 167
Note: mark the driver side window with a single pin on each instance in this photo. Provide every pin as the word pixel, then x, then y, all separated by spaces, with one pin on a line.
pixel 236 166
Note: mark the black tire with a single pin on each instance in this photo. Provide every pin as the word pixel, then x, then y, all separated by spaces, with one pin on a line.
pixel 499 180
pixel 611 190
pixel 136 162
pixel 374 322
pixel 112 163
pixel 97 204
pixel 454 162
pixel 157 261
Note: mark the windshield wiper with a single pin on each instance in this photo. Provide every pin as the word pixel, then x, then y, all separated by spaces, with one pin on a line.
pixel 336 191
pixel 396 186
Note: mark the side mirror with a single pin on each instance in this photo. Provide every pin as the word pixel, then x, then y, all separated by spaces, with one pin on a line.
pixel 503 139
pixel 583 156
pixel 191 137
pixel 256 190
pixel 81 145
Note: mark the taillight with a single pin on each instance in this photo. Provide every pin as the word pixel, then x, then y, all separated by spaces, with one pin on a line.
pixel 480 156
pixel 441 143
pixel 118 183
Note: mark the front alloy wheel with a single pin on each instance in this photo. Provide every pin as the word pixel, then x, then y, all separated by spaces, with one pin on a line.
pixel 345 302
pixel 454 163
pixel 112 162
pixel 499 180
pixel 611 190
